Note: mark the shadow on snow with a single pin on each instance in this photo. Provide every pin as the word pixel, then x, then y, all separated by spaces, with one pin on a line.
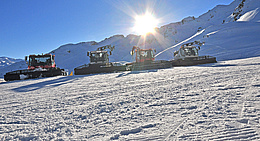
pixel 135 72
pixel 49 83
pixel 227 65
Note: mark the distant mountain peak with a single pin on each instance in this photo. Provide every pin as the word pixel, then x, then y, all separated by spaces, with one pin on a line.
pixel 6 61
pixel 225 37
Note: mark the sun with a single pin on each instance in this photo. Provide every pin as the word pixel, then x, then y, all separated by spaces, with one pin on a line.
pixel 145 24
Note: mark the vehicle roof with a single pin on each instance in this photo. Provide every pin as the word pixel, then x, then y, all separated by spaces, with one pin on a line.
pixel 145 49
pixel 99 51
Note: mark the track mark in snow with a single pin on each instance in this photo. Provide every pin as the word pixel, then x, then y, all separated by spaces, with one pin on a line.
pixel 167 137
pixel 131 131
pixel 147 138
pixel 256 85
pixel 243 133
pixel 246 133
pixel 134 131
pixel 230 88
pixel 243 108
pixel 172 104
pixel 192 115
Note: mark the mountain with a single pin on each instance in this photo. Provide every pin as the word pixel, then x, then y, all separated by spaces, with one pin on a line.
pixel 15 66
pixel 218 101
pixel 11 64
pixel 6 61
pixel 229 32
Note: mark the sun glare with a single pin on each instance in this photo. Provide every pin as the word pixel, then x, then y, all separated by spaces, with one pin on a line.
pixel 145 24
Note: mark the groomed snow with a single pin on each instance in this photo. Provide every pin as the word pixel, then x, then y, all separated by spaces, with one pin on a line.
pixel 208 102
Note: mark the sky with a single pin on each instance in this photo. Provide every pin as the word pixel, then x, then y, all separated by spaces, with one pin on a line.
pixel 40 26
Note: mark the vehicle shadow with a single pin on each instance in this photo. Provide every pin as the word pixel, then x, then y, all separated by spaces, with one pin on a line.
pixel 48 83
pixel 226 65
pixel 126 73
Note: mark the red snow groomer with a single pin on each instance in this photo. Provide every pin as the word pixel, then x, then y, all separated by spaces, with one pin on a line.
pixel 143 55
pixel 145 60
pixel 45 61
pixel 38 66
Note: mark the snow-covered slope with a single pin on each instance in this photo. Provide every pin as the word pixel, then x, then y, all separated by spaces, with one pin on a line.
pixel 208 102
pixel 229 31
pixel 232 38
pixel 217 101
pixel 250 16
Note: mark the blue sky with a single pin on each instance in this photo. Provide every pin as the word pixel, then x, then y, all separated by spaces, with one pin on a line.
pixel 40 26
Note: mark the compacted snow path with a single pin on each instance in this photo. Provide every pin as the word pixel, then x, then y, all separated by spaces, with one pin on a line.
pixel 208 102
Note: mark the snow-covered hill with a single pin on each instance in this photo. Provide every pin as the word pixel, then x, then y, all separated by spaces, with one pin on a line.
pixel 217 101
pixel 208 102
pixel 229 31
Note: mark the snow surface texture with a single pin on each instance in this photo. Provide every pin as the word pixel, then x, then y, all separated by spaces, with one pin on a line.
pixel 208 102
pixel 229 32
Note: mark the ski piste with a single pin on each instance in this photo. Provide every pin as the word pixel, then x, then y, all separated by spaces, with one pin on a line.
pixel 207 102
